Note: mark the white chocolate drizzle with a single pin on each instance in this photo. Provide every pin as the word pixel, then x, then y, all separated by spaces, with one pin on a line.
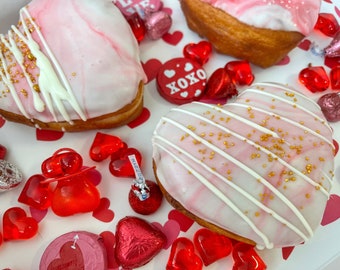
pixel 53 84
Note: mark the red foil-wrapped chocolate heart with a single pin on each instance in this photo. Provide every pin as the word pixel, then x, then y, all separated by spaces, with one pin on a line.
pixel 137 242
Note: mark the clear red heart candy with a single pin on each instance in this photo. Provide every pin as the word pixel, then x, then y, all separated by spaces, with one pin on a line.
pixel 327 24
pixel 314 78
pixel 330 106
pixel 75 195
pixel 212 246
pixel 334 77
pixel 151 204
pixel 120 165
pixel 240 72
pixel 3 151
pixel 104 145
pixel 183 256
pixel 63 162
pixel 245 257
pixel 137 26
pixel 16 225
pixel 137 242
pixel 35 193
pixel 199 52
pixel 220 85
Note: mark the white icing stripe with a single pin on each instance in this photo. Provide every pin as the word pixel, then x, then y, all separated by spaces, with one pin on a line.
pixel 256 91
pixel 234 186
pixel 240 118
pixel 221 196
pixel 294 123
pixel 250 171
pixel 309 180
pixel 70 97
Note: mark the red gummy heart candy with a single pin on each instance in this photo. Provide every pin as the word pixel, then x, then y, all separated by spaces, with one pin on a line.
pixel 220 85
pixel 199 52
pixel 240 72
pixel 75 195
pixel 36 194
pixel 212 246
pixel 64 161
pixel 137 26
pixel 327 24
pixel 16 225
pixel 314 78
pixel 245 257
pixel 3 151
pixel 335 78
pixel 137 242
pixel 120 165
pixel 104 145
pixel 151 204
pixel 183 256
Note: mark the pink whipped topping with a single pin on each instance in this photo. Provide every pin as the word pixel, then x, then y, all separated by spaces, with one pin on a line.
pixel 78 59
pixel 289 15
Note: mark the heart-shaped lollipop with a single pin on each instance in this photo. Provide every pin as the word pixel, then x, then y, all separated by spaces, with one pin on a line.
pixel 137 242
pixel 17 225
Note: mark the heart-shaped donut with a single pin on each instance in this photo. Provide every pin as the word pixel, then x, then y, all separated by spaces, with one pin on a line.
pixel 260 167
pixel 76 71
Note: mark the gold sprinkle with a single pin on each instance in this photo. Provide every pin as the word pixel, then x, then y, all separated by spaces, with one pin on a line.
pixel 257 214
pixel 36 88
pixel 307 195
pixel 74 74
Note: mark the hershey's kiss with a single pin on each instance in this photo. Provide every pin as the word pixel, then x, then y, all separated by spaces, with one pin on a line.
pixel 10 176
pixel 333 49
pixel 157 24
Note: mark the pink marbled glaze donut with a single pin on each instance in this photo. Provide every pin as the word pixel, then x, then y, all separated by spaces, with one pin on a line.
pixel 260 167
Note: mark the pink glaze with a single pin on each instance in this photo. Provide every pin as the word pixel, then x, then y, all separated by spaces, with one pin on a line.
pixel 96 51
pixel 290 15
pixel 260 167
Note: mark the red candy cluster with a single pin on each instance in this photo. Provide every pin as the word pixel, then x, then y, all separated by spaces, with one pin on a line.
pixel 212 247
pixel 106 145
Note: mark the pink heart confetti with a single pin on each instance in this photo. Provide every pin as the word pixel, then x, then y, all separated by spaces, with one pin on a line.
pixel 171 229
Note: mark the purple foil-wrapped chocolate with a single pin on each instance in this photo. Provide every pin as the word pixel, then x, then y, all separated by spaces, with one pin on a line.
pixel 333 49
pixel 158 24
pixel 330 106
pixel 10 176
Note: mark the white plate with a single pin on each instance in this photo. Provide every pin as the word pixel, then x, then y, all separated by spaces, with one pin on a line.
pixel 27 152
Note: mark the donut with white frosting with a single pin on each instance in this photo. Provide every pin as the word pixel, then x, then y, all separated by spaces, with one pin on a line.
pixel 260 167
pixel 260 31
pixel 70 65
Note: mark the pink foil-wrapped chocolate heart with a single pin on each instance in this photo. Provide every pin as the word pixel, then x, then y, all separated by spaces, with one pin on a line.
pixel 330 106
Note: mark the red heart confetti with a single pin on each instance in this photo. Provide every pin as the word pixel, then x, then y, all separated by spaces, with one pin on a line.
pixel 332 212
pixel 3 151
pixel 314 78
pixel 38 214
pixel 240 72
pixel 48 135
pixel 109 240
pixel 35 193
pixel 212 246
pixel 173 38
pixel 305 44
pixel 286 252
pixel 120 165
pixel 2 121
pixel 199 52
pixel 170 229
pixel 183 256
pixel 104 145
pixel 220 85
pixel 149 205
pixel 245 257
pixel 336 146
pixel 332 61
pixel 103 212
pixel 141 119
pixel 327 24
pixel 137 242
pixel 184 222
pixel 16 225
pixel 151 68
